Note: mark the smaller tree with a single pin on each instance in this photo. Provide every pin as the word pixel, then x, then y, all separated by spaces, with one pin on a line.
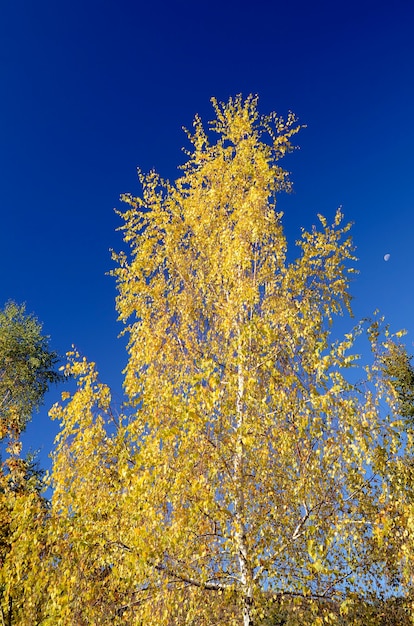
pixel 395 525
pixel 27 368
pixel 398 369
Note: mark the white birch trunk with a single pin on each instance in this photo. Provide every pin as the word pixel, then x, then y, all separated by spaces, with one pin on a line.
pixel 239 504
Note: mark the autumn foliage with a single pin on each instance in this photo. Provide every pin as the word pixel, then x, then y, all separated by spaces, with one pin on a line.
pixel 257 469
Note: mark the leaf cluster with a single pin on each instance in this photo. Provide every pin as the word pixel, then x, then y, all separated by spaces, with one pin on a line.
pixel 27 367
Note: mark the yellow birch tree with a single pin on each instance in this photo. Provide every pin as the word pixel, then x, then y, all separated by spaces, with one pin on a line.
pixel 250 466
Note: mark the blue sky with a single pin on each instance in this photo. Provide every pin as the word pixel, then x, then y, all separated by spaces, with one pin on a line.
pixel 90 90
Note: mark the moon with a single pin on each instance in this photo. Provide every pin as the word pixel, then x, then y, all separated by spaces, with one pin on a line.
pixel 387 257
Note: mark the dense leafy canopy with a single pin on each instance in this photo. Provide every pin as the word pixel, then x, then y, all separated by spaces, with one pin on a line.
pixel 254 475
pixel 398 368
pixel 27 368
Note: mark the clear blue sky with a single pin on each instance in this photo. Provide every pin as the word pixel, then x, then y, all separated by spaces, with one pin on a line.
pixel 91 89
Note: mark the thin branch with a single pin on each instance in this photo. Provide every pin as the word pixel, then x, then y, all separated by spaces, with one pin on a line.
pixel 335 582
pixel 297 532
pixel 190 581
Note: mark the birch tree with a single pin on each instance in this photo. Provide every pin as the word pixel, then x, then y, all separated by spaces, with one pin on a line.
pixel 249 465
